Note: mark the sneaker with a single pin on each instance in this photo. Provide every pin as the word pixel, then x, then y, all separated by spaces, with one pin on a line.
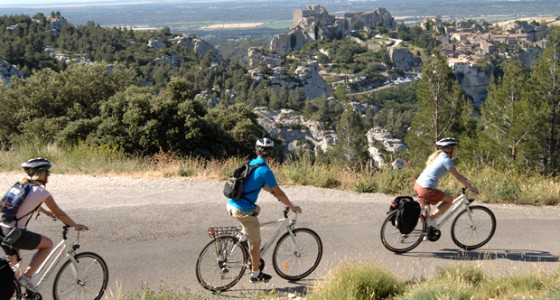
pixel 27 283
pixel 261 278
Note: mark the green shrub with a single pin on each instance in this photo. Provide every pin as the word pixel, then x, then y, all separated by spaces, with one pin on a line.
pixel 358 281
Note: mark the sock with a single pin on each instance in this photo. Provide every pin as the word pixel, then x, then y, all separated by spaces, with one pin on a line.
pixel 256 273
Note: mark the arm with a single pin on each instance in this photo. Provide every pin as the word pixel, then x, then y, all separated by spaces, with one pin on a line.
pixel 463 180
pixel 61 215
pixel 279 194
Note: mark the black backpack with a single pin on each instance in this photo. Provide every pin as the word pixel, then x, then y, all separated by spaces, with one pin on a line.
pixel 408 212
pixel 233 188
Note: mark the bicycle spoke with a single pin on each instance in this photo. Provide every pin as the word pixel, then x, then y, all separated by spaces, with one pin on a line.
pixel 85 279
pixel 473 228
pixel 297 255
pixel 221 264
pixel 395 241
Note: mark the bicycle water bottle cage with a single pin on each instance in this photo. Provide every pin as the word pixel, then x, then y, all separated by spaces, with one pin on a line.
pixel 471 200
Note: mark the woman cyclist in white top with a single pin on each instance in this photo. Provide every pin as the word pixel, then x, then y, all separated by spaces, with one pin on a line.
pixel 37 173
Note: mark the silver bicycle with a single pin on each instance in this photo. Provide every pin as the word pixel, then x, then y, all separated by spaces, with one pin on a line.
pixel 83 275
pixel 472 228
pixel 224 260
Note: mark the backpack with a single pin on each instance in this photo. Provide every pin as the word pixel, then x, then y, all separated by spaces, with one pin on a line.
pixel 12 201
pixel 408 212
pixel 233 188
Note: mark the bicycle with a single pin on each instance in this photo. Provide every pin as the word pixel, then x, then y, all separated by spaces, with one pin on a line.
pixel 224 260
pixel 472 228
pixel 83 275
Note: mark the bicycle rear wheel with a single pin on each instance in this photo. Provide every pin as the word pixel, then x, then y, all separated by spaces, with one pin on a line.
pixel 221 264
pixel 395 241
pixel 16 294
pixel 473 230
pixel 298 255
pixel 87 279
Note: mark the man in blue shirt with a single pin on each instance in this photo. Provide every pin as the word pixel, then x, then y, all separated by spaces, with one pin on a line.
pixel 245 210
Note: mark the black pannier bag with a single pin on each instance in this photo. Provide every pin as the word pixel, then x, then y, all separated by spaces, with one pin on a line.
pixel 408 212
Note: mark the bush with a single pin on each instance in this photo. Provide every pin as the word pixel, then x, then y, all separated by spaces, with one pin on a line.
pixel 359 281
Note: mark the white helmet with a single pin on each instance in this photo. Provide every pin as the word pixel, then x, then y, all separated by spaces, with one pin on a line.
pixel 447 142
pixel 264 146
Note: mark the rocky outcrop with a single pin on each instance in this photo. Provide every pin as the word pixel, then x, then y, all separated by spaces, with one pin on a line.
pixel 7 71
pixel 474 81
pixel 305 76
pixel 294 130
pixel 258 56
pixel 370 19
pixel 315 23
pixel 297 133
pixel 67 58
pixel 403 59
pixel 378 137
pixel 199 46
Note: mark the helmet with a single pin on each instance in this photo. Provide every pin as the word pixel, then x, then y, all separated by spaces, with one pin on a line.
pixel 38 163
pixel 264 146
pixel 447 142
pixel 264 143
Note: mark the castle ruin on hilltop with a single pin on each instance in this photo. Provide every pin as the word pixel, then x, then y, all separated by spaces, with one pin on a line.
pixel 315 23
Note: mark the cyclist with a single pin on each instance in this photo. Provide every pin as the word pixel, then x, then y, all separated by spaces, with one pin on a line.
pixel 246 211
pixel 437 165
pixel 37 173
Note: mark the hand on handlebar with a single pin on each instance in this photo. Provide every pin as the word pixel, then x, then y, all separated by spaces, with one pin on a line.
pixel 296 209
pixel 80 227
pixel 474 189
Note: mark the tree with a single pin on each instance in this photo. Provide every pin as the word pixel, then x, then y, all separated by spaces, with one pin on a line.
pixel 351 147
pixel 508 116
pixel 440 100
pixel 545 78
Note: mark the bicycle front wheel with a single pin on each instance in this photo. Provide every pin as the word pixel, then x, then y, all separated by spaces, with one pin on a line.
pixel 85 279
pixel 297 255
pixel 221 264
pixel 473 227
pixel 395 241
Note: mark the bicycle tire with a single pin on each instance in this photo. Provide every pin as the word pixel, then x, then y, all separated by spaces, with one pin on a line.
pixel 469 238
pixel 92 273
pixel 397 242
pixel 295 262
pixel 217 274
pixel 17 295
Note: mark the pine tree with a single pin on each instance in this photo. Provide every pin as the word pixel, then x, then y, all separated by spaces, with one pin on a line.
pixel 508 117
pixel 440 101
pixel 545 79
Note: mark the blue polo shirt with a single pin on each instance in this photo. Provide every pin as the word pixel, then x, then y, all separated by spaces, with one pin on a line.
pixel 430 176
pixel 255 182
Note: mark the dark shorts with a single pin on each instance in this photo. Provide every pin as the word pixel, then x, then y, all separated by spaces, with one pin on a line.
pixel 432 196
pixel 28 241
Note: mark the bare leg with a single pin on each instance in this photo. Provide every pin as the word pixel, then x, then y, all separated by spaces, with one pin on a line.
pixel 445 204
pixel 44 248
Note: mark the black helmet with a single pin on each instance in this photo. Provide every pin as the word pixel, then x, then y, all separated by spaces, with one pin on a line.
pixel 264 146
pixel 38 163
pixel 447 142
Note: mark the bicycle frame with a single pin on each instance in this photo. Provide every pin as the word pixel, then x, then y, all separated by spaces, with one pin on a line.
pixel 284 225
pixel 461 200
pixel 54 258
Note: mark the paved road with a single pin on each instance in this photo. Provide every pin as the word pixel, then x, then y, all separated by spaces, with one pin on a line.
pixel 152 230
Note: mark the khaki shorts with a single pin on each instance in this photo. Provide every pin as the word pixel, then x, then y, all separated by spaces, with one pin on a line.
pixel 433 196
pixel 249 223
